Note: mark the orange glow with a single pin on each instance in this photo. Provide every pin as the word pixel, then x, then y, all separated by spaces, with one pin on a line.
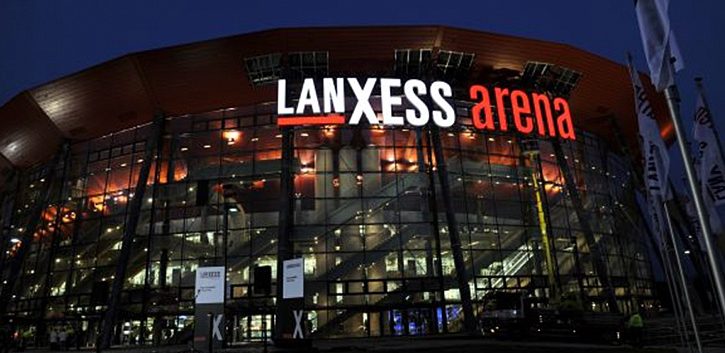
pixel 96 203
pixel 329 131
pixel 118 183
pixel 307 157
pixel 231 136
pixel 269 155
pixel 14 248
pixel 49 217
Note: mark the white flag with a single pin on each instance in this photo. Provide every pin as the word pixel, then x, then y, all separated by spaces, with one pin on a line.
pixel 711 168
pixel 658 40
pixel 716 225
pixel 654 150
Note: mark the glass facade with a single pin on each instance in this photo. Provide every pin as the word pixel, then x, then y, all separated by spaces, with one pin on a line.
pixel 369 221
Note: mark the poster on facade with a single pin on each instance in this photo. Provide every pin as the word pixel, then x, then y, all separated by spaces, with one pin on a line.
pixel 293 279
pixel 209 285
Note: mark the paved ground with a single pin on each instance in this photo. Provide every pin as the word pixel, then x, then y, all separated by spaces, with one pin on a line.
pixel 422 345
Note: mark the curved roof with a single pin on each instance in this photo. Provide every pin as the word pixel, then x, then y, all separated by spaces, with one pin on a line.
pixel 209 75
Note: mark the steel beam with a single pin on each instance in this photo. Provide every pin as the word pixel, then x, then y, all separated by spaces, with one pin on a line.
pixel 470 322
pixel 432 210
pixel 54 243
pixel 35 218
pixel 597 254
pixel 129 231
pixel 283 309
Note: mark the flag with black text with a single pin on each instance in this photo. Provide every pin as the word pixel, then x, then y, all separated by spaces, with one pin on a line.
pixel 658 41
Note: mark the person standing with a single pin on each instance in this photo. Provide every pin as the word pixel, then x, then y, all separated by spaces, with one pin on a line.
pixel 62 338
pixel 53 339
pixel 636 328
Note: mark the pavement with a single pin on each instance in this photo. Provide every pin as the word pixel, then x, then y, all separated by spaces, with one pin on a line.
pixel 417 345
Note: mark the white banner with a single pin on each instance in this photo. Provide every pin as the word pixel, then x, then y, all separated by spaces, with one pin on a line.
pixel 210 285
pixel 658 41
pixel 711 166
pixel 294 280
pixel 654 150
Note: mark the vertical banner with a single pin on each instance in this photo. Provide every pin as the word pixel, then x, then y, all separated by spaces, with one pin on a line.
pixel 654 150
pixel 293 322
pixel 658 41
pixel 294 281
pixel 209 285
pixel 209 325
pixel 711 162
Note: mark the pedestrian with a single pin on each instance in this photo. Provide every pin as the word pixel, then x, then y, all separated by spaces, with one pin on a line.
pixel 26 336
pixel 62 339
pixel 636 328
pixel 53 339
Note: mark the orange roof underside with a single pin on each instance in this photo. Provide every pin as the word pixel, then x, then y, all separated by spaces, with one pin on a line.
pixel 210 75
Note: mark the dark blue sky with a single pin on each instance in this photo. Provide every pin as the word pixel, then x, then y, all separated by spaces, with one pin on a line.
pixel 44 40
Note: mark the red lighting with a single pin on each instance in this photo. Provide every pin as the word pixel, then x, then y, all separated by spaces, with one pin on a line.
pixel 331 119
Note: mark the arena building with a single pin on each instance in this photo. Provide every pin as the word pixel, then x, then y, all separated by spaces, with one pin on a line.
pixel 519 180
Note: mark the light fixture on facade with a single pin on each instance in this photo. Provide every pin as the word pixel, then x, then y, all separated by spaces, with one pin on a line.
pixel 231 136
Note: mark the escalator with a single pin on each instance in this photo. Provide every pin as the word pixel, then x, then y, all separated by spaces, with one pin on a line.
pixel 514 263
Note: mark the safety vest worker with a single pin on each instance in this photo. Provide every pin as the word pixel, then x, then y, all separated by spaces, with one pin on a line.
pixel 635 321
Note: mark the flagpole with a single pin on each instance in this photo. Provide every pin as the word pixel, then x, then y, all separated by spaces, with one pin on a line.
pixel 706 105
pixel 683 281
pixel 674 291
pixel 673 99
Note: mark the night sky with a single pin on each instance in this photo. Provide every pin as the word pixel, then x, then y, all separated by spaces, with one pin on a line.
pixel 44 40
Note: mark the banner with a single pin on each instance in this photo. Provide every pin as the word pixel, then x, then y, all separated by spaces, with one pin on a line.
pixel 654 150
pixel 658 41
pixel 210 285
pixel 294 280
pixel 209 323
pixel 715 224
pixel 711 169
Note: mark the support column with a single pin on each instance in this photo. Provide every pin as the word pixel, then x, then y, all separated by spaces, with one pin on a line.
pixel 283 312
pixel 597 256
pixel 636 179
pixel 35 218
pixel 54 244
pixel 432 209
pixel 470 322
pixel 8 195
pixel 132 218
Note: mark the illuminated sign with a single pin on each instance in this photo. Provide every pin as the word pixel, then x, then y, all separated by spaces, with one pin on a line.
pixel 209 285
pixel 530 112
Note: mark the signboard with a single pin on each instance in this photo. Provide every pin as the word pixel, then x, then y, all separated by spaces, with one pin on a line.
pixel 210 285
pixel 293 274
pixel 419 103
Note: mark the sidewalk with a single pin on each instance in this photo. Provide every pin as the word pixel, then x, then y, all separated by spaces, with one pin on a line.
pixel 418 345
